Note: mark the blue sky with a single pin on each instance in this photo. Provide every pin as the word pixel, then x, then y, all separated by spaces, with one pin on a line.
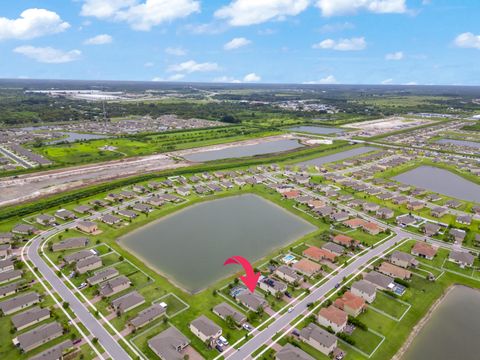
pixel 272 41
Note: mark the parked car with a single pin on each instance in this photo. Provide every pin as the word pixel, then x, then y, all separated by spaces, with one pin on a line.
pixel 223 341
pixel 219 348
pixel 247 327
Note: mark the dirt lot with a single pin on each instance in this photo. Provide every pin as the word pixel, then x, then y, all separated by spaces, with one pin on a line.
pixel 32 186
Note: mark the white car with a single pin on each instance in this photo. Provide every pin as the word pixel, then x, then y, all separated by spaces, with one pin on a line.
pixel 247 327
pixel 290 309
pixel 223 341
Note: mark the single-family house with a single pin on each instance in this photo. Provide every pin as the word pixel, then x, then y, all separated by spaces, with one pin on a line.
pixel 70 243
pixel 224 311
pixel 385 213
pixel 318 338
pixel 6 237
pixel 318 254
pixel 352 304
pixel 424 250
pixel 7 265
pixel 45 219
pixel 288 274
pixel 205 329
pixel 169 344
pixel 87 226
pixel 65 214
pixel 366 290
pixel 334 248
pixel 24 229
pixel 38 336
pixel 83 209
pixel 290 352
pixel 114 286
pixel 88 264
pixel 19 302
pixel 403 259
pixel 102 275
pixel 438 211
pixel 251 301
pixel 380 281
pixel 333 317
pixel 110 219
pixel 10 276
pixel 127 302
pixel 307 267
pixel 345 240
pixel 462 258
pixel 148 315
pixel 30 317
pixel 394 271
pixel 272 286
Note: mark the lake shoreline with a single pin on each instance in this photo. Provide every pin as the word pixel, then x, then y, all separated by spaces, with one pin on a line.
pixel 423 321
pixel 173 279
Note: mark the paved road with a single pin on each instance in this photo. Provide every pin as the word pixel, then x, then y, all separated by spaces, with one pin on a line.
pixel 107 341
pixel 284 320
pixel 18 159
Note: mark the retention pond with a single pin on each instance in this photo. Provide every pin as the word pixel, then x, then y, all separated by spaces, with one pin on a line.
pixel 190 246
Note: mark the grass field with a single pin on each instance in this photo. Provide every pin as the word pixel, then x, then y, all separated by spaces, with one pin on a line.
pixel 138 145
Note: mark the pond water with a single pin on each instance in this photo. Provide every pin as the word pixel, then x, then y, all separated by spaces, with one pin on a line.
pixel 245 150
pixel 441 181
pixel 453 330
pixel 73 136
pixel 190 246
pixel 317 129
pixel 338 156
pixel 459 142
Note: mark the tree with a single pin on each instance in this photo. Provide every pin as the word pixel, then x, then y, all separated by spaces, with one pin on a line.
pixel 230 119
pixel 230 322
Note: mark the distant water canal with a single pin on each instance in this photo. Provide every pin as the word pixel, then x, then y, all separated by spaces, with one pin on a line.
pixel 268 147
pixel 338 156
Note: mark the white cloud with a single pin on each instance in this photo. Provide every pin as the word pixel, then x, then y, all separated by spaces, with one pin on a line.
pixel 353 44
pixel 99 40
pixel 398 55
pixel 330 79
pixel 48 55
pixel 176 51
pixel 236 43
pixel 249 12
pixel 387 81
pixel 32 23
pixel 226 79
pixel 252 77
pixel 192 66
pixel 467 40
pixel 345 7
pixel 140 16
pixel 411 83
pixel 148 64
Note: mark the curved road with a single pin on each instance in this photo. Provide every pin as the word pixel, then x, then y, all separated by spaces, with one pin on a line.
pixel 94 326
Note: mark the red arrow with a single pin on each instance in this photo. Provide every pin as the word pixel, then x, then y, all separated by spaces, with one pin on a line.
pixel 251 277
